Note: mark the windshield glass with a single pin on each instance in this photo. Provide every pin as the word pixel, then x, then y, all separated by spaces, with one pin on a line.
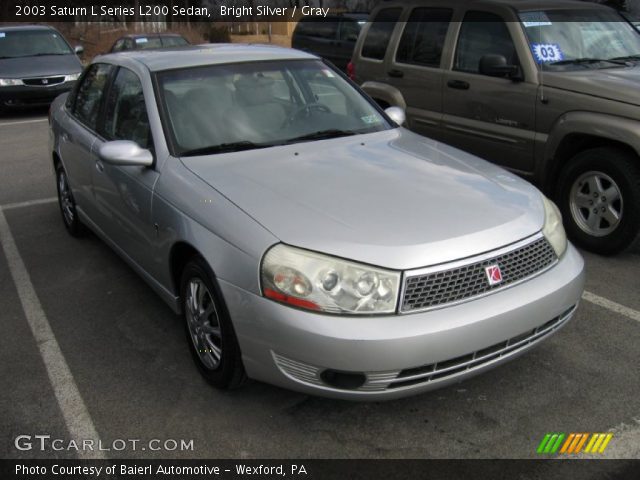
pixel 577 39
pixel 145 43
pixel 27 43
pixel 232 107
pixel 173 41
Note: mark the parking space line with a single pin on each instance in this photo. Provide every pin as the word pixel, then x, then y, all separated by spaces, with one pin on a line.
pixel 29 203
pixel 72 406
pixel 21 122
pixel 613 306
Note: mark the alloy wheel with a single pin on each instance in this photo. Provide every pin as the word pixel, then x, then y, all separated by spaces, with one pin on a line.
pixel 203 323
pixel 595 202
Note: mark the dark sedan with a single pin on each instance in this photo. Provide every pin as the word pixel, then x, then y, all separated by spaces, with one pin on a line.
pixel 144 41
pixel 36 65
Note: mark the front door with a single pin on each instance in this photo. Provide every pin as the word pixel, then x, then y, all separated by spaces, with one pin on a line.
pixel 124 193
pixel 492 117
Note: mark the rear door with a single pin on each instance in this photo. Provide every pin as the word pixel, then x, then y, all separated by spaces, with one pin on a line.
pixel 78 134
pixel 415 68
pixel 371 64
pixel 491 117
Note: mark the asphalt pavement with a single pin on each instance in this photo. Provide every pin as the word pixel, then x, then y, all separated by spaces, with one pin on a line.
pixel 121 364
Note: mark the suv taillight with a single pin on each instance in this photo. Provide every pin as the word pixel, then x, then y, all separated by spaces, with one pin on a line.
pixel 351 71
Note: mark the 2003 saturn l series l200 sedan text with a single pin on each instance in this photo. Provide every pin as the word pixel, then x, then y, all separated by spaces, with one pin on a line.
pixel 308 240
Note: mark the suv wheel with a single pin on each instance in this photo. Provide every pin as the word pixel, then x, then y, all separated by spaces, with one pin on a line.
pixel 209 331
pixel 599 196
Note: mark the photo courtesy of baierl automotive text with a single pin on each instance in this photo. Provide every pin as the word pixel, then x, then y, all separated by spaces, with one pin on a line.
pixel 320 239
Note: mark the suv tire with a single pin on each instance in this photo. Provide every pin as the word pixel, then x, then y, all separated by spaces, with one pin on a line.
pixel 598 193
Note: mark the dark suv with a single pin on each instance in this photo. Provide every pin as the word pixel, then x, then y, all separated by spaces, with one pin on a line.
pixel 332 38
pixel 548 89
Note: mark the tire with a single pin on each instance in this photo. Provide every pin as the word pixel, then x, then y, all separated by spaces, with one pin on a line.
pixel 67 204
pixel 598 193
pixel 209 331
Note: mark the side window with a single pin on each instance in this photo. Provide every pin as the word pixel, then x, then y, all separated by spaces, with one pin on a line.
pixel 379 34
pixel 423 37
pixel 483 33
pixel 118 45
pixel 90 92
pixel 126 112
pixel 349 30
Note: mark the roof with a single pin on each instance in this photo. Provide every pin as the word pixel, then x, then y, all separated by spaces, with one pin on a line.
pixel 25 28
pixel 209 54
pixel 145 35
pixel 519 5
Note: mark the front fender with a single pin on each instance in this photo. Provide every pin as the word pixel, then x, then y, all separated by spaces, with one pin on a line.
pixel 597 125
pixel 386 93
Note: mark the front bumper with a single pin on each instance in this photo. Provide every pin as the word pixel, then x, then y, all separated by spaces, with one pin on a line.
pixel 402 355
pixel 32 96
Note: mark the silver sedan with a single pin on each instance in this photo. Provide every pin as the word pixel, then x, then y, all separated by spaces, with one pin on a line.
pixel 307 239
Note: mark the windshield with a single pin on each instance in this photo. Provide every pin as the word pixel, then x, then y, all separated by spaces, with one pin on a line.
pixel 27 43
pixel 232 107
pixel 578 39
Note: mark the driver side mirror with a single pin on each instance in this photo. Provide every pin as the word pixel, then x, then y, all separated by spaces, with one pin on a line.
pixel 78 50
pixel 396 114
pixel 496 66
pixel 125 153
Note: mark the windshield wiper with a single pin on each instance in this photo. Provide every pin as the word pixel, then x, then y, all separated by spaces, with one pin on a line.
pixel 223 148
pixel 628 57
pixel 44 54
pixel 322 135
pixel 587 60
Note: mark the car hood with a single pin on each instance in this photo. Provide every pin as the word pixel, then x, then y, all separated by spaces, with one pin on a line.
pixel 41 66
pixel 392 198
pixel 620 84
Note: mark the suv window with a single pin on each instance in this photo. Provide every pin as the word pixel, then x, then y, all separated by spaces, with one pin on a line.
pixel 126 113
pixel 379 34
pixel 349 30
pixel 423 37
pixel 483 33
pixel 87 102
pixel 324 29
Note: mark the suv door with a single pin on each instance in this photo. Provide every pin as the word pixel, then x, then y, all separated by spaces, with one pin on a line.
pixel 492 117
pixel 78 134
pixel 124 193
pixel 415 69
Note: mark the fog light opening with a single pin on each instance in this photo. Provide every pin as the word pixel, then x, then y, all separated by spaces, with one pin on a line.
pixel 343 380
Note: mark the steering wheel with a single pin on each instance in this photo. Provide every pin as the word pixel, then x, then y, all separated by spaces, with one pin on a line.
pixel 305 112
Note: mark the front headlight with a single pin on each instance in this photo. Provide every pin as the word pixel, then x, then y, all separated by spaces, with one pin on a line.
pixel 320 282
pixel 10 82
pixel 553 229
pixel 72 77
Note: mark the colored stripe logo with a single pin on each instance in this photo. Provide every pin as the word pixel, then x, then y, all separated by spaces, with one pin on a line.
pixel 574 443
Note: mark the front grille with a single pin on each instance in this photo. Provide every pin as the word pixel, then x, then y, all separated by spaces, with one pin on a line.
pixel 441 287
pixel 42 82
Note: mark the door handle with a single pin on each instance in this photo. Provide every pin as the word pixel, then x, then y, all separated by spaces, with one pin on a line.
pixel 395 73
pixel 458 84
pixel 99 166
pixel 66 137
